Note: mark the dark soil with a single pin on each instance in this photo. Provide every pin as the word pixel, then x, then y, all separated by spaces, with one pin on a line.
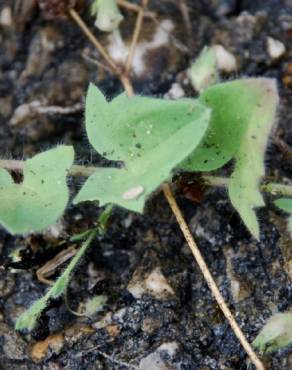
pixel 44 60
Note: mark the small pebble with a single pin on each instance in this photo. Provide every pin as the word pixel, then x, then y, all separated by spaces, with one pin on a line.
pixel 226 61
pixel 6 17
pixel 153 283
pixel 156 360
pixel 275 48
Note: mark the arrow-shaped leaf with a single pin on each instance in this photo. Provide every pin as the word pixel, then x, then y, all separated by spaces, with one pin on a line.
pixel 152 136
pixel 41 198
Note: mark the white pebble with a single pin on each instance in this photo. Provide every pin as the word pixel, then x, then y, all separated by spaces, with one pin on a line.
pixel 226 61
pixel 6 17
pixel 275 48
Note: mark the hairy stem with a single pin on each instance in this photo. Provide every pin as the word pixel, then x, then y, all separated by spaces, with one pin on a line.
pixel 268 187
pixel 212 181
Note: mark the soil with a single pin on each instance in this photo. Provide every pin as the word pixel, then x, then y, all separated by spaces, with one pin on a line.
pixel 176 325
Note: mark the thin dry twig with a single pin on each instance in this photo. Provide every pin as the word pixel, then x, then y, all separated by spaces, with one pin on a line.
pixel 76 17
pixel 137 30
pixel 135 8
pixel 36 107
pixel 208 277
pixel 115 69
pixel 96 62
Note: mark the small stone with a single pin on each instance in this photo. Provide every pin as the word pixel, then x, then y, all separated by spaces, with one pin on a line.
pixel 54 343
pixel 153 283
pixel 275 48
pixel 156 360
pixel 226 61
pixel 175 92
pixel 113 330
pixel 150 325
pixel 13 346
pixel 6 17
pixel 239 288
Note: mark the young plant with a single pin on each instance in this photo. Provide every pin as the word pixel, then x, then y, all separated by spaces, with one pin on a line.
pixel 276 334
pixel 107 13
pixel 153 138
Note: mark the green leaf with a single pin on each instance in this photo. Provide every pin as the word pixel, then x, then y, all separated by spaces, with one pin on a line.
pixel 232 104
pixel 276 334
pixel 243 188
pixel 151 135
pixel 108 16
pixel 203 72
pixel 41 198
pixel 94 304
pixel 285 204
pixel 127 128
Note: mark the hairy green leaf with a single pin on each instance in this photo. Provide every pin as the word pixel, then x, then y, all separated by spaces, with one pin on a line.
pixel 232 104
pixel 94 304
pixel 127 128
pixel 151 135
pixel 41 198
pixel 243 188
pixel 276 334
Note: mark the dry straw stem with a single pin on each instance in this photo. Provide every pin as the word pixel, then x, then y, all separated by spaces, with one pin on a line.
pixel 115 69
pixel 76 17
pixel 137 30
pixel 208 277
pixel 135 8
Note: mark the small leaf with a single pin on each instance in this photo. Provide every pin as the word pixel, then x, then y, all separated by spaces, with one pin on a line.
pixel 29 318
pixel 249 168
pixel 285 204
pixel 108 16
pixel 94 305
pixel 41 198
pixel 203 72
pixel 276 334
pixel 233 104
pixel 153 136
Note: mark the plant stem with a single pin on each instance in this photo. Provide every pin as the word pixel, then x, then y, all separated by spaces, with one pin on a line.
pixel 212 181
pixel 208 277
pixel 271 187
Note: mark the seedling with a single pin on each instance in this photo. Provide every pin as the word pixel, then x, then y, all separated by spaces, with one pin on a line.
pixel 153 138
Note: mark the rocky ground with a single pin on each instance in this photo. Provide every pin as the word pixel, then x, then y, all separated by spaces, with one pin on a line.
pixel 160 314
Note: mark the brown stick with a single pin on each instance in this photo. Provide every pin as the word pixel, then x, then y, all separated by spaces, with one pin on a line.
pixel 208 277
pixel 135 8
pixel 135 37
pixel 76 17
